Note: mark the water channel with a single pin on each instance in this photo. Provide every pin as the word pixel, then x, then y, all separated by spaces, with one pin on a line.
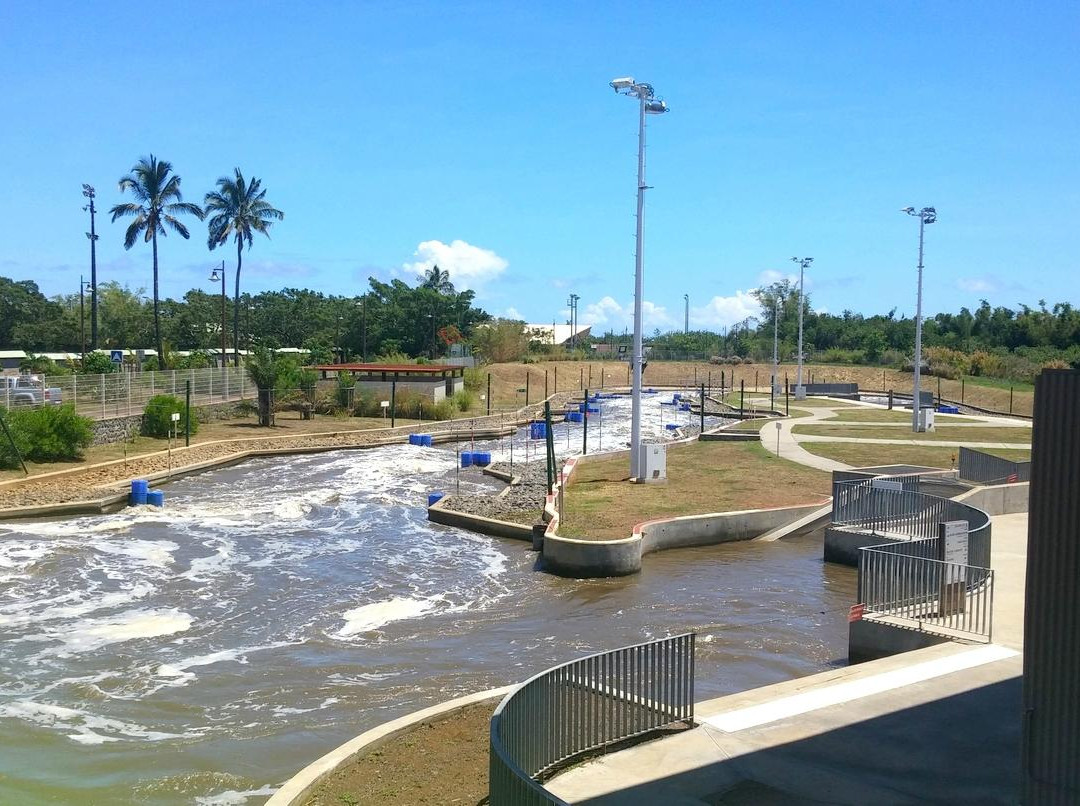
pixel 205 652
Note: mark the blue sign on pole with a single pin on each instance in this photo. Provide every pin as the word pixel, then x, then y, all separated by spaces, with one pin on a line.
pixel 117 356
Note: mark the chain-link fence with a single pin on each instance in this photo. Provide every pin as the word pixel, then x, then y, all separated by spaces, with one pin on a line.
pixel 124 394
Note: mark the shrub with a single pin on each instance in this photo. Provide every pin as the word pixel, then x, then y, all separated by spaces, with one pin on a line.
pixel 98 364
pixel 463 400
pixel 157 416
pixel 46 434
pixel 343 394
pixel 474 379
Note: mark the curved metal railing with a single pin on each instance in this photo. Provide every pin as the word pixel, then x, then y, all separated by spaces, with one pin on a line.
pixel 581 706
pixel 867 506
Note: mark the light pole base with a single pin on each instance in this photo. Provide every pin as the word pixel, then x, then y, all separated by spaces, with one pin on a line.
pixel 800 393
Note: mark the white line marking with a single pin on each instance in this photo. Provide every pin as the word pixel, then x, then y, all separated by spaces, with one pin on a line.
pixel 796 704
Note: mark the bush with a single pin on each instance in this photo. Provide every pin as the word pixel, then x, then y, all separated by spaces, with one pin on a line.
pixel 46 434
pixel 98 364
pixel 157 416
pixel 463 400
pixel 475 380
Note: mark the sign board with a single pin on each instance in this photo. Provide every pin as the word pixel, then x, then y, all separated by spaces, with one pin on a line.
pixel 887 484
pixel 622 349
pixel 385 404
pixel 116 356
pixel 856 612
pixel 953 549
pixel 176 416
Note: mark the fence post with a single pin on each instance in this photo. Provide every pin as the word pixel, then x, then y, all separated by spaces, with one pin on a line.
pixel 590 376
pixel 890 399
pixel 103 413
pixel 702 408
pixel 1010 399
pixel 211 374
pixel 187 413
pixel 546 384
pixel 129 393
pixel 489 395
pixel 555 378
pixel 961 389
pixel 393 403
pixel 527 375
pixel 585 425
pixel 939 390
pixel 742 396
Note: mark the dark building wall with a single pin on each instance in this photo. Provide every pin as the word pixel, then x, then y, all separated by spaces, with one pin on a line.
pixel 1051 732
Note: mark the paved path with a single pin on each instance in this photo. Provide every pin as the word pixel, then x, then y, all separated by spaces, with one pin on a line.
pixel 822 413
pixel 940 724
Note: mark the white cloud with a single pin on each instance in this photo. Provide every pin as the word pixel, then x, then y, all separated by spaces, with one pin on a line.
pixel 512 313
pixel 976 285
pixel 724 311
pixel 607 313
pixel 770 276
pixel 469 266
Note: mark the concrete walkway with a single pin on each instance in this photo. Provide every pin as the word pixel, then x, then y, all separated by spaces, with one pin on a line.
pixel 936 725
pixel 788 446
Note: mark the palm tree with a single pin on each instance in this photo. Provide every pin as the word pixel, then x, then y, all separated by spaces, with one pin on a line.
pixel 436 279
pixel 159 202
pixel 237 208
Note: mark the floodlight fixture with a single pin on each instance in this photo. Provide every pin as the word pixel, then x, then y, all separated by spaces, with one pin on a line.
pixel 655 107
pixel 622 84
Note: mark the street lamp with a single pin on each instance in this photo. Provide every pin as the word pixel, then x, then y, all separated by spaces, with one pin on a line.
pixel 572 302
pixel 927 215
pixel 686 315
pixel 647 104
pixel 213 279
pixel 775 345
pixel 83 284
pixel 800 390
pixel 89 193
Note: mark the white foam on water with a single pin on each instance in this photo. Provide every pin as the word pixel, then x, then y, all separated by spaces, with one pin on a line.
pixel 91 634
pixel 370 617
pixel 87 728
pixel 26 612
pixel 233 797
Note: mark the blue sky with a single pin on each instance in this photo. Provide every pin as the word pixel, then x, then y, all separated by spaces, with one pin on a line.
pixel 484 136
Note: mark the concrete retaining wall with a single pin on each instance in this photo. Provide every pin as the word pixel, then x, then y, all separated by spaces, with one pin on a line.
pixel 299 789
pixel 842 546
pixel 116 429
pixel 869 639
pixel 999 499
pixel 476 523
pixel 731 436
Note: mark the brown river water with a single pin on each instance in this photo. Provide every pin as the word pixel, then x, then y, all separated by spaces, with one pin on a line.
pixel 205 652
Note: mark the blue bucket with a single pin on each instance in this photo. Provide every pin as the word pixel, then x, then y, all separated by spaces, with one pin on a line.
pixel 139 489
pixel 434 498
pixel 156 498
pixel 466 459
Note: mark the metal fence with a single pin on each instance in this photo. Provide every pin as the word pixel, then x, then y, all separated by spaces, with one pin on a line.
pixel 585 705
pixel 906 513
pixel 906 582
pixel 986 468
pixel 124 394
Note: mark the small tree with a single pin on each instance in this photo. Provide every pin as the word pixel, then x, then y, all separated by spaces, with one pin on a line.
pixel 271 372
pixel 500 340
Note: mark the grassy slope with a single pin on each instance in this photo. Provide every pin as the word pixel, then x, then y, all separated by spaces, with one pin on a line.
pixel 871 455
pixel 702 477
pixel 940 433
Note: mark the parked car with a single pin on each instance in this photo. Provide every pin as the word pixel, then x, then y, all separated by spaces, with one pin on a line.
pixel 27 391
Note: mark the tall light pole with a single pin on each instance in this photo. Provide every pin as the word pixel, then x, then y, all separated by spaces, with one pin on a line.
pixel 775 343
pixel 82 317
pixel 800 390
pixel 686 315
pixel 363 326
pixel 573 302
pixel 647 104
pixel 89 193
pixel 927 215
pixel 213 279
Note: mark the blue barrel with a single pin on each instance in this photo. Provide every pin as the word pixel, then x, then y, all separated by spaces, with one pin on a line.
pixel 434 498
pixel 156 498
pixel 413 439
pixel 676 396
pixel 593 409
pixel 482 459
pixel 466 459
pixel 684 407
pixel 425 440
pixel 139 488
pixel 582 406
pixel 574 417
pixel 671 426
pixel 538 430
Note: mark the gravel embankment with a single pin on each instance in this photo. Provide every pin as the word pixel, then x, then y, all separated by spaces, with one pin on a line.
pixel 511 504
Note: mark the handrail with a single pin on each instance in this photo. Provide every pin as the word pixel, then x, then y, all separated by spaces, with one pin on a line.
pixel 907 582
pixel 572 709
pixel 862 505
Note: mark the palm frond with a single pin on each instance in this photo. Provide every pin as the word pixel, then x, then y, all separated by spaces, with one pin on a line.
pixel 133 230
pixel 176 225
pixel 185 207
pixel 125 209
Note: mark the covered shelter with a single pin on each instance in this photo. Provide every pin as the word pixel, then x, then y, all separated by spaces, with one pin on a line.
pixel 434 381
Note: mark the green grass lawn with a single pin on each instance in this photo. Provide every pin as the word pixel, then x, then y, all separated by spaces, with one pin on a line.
pixel 857 455
pixel 860 415
pixel 941 433
pixel 702 477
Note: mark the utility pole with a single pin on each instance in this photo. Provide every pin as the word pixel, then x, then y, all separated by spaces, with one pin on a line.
pixel 775 344
pixel 89 192
pixel 800 390
pixel 573 303
pixel 927 215
pixel 686 315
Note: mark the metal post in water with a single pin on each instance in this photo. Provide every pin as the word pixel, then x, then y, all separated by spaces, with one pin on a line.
pixel 527 375
pixel 585 423
pixel 393 402
pixel 545 384
pixel 489 395
pixel 702 408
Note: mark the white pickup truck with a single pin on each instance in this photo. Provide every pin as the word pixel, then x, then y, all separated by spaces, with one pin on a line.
pixel 27 391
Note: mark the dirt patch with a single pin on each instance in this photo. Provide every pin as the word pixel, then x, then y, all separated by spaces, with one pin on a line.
pixel 441 763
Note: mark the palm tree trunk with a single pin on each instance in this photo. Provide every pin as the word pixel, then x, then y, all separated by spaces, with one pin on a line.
pixel 157 315
pixel 236 306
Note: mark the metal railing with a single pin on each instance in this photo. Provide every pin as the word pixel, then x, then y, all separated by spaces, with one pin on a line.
pixel 584 705
pixel 906 582
pixel 906 513
pixel 986 468
pixel 124 394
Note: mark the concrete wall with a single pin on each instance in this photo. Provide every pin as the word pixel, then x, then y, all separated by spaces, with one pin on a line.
pixel 842 546
pixel 869 639
pixel 999 499
pixel 477 523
